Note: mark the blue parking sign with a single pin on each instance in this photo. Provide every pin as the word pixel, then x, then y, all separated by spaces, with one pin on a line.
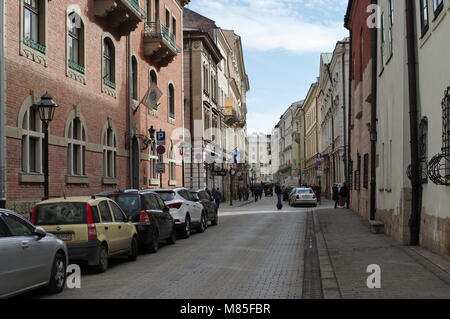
pixel 161 138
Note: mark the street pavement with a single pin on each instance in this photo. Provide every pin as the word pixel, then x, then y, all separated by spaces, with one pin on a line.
pixel 257 251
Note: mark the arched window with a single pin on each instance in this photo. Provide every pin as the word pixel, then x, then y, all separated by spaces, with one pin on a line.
pixel 32 138
pixel 109 153
pixel 75 38
pixel 171 101
pixel 108 63
pixel 76 148
pixel 134 75
pixel 153 78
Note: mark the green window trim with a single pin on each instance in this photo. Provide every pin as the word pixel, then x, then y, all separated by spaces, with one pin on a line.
pixel 34 45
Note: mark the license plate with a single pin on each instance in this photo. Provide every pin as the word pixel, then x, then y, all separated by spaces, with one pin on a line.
pixel 64 237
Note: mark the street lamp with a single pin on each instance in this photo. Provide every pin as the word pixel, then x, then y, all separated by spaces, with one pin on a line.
pixel 182 146
pixel 46 109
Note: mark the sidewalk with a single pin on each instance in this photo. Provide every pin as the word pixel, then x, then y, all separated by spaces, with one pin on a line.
pixel 346 247
pixel 236 204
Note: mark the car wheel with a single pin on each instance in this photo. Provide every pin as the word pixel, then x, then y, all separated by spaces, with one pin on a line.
pixel 154 246
pixel 186 232
pixel 215 221
pixel 58 275
pixel 173 237
pixel 203 224
pixel 133 250
pixel 102 259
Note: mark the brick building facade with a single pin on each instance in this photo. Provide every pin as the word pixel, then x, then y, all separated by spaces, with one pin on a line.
pixel 361 38
pixel 97 59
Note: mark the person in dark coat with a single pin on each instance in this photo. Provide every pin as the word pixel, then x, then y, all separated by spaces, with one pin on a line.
pixel 335 195
pixel 279 192
pixel 218 197
pixel 343 194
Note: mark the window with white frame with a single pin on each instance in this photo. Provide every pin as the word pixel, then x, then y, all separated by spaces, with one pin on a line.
pixel 76 148
pixel 172 164
pixel 32 139
pixel 75 40
pixel 109 153
pixel 34 24
pixel 438 5
pixel 153 160
pixel 424 16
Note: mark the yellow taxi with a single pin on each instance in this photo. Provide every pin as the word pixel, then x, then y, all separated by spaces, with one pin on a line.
pixel 93 228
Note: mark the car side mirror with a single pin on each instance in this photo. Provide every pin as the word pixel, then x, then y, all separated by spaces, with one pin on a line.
pixel 40 232
pixel 129 218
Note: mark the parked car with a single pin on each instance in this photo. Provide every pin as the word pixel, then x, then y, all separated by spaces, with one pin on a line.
pixel 29 257
pixel 150 215
pixel 187 212
pixel 94 228
pixel 287 191
pixel 268 189
pixel 303 196
pixel 208 203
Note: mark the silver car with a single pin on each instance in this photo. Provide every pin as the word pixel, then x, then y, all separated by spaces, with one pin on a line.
pixel 29 257
pixel 302 196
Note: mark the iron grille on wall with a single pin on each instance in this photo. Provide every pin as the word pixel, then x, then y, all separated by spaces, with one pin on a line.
pixel 423 152
pixel 366 171
pixel 439 166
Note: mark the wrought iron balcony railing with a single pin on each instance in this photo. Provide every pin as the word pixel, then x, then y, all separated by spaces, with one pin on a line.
pixel 137 7
pixel 75 66
pixel 34 45
pixel 109 83
pixel 158 30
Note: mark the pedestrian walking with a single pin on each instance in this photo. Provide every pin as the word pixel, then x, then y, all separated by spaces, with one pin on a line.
pixel 279 192
pixel 218 197
pixel 343 193
pixel 335 195
pixel 319 194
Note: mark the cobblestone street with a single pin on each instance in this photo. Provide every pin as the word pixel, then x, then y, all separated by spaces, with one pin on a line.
pixel 258 252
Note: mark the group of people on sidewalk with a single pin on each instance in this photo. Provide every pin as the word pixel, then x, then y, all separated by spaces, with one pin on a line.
pixel 340 195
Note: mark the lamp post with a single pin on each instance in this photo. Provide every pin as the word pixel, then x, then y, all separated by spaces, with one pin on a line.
pixel 182 146
pixel 232 173
pixel 46 109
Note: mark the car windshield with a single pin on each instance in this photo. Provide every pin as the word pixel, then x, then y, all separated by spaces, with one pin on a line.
pixel 304 191
pixel 167 196
pixel 61 214
pixel 130 204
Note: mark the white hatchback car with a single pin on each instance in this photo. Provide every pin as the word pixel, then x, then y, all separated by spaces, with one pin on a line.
pixel 187 212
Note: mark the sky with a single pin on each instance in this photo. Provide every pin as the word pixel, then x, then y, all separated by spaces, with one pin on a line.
pixel 282 41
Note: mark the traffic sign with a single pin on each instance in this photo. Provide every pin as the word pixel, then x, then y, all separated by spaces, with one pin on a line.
pixel 160 149
pixel 161 138
pixel 160 168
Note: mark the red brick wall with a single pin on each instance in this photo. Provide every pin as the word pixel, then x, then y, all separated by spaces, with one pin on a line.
pixel 360 92
pixel 95 107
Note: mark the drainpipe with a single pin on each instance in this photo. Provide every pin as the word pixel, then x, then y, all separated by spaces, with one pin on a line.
pixel 373 123
pixel 2 108
pixel 130 114
pixel 191 113
pixel 414 222
pixel 344 45
pixel 349 128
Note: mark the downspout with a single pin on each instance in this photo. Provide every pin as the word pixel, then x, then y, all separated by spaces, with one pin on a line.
pixel 349 127
pixel 2 108
pixel 191 113
pixel 344 87
pixel 373 123
pixel 414 222
pixel 130 115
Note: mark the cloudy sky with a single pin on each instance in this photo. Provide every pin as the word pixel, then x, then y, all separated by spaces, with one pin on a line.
pixel 282 42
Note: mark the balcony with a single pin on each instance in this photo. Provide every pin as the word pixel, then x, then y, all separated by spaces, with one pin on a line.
pixel 231 118
pixel 240 123
pixel 124 15
pixel 159 44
